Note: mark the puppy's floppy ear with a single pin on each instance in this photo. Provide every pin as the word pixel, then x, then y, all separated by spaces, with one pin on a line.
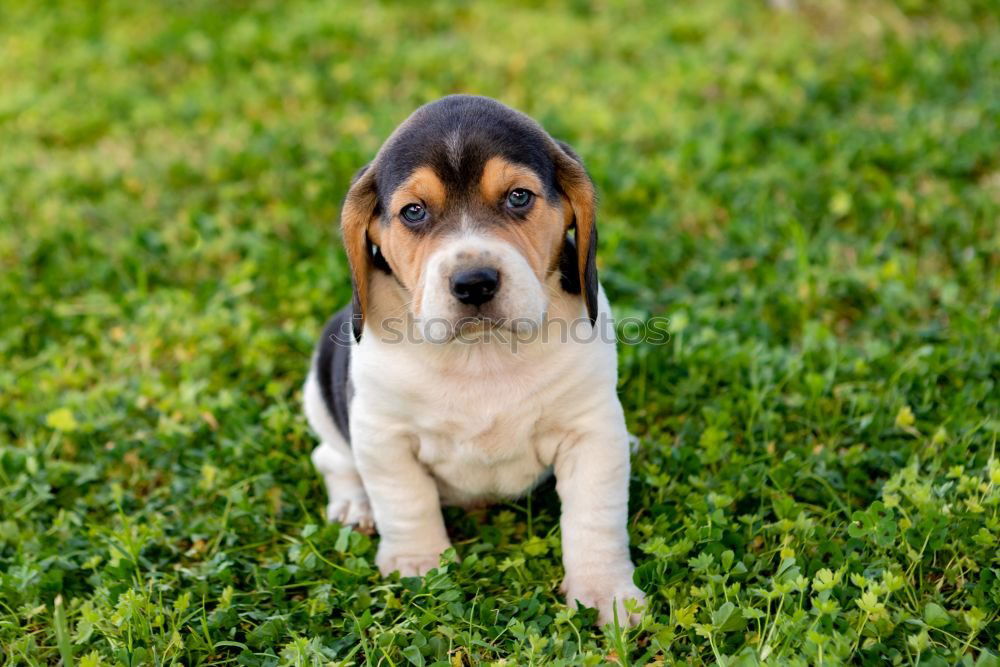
pixel 360 210
pixel 579 189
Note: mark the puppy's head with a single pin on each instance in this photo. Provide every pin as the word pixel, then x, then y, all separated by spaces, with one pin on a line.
pixel 469 205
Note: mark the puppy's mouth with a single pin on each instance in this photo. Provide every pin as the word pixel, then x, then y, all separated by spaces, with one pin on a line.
pixel 481 322
pixel 479 327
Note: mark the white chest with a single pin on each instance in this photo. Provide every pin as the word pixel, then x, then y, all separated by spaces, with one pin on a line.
pixel 487 424
pixel 486 449
pixel 483 436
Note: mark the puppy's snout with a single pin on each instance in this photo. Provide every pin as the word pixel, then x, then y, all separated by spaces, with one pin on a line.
pixel 475 286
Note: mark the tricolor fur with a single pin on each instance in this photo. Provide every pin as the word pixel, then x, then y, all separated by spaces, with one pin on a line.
pixel 472 226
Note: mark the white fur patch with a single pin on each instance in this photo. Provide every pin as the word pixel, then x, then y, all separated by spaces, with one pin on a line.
pixel 521 299
pixel 466 423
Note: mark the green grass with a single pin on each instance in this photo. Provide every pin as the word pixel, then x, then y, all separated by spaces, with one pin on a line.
pixel 812 197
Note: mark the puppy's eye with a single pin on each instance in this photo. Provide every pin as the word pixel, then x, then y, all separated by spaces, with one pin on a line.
pixel 413 213
pixel 519 198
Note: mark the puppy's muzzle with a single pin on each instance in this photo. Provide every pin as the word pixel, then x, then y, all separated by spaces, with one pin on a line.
pixel 477 286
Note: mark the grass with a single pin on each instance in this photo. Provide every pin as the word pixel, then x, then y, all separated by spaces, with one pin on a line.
pixel 810 196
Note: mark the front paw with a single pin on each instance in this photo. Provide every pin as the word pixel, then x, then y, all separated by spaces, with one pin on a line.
pixel 408 562
pixel 352 511
pixel 605 590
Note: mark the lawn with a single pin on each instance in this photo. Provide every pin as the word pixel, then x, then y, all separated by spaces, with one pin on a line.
pixel 811 196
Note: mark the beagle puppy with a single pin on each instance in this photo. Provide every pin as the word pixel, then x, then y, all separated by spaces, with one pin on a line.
pixel 478 355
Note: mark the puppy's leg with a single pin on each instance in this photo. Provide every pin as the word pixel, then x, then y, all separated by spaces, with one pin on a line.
pixel 592 477
pixel 405 499
pixel 347 500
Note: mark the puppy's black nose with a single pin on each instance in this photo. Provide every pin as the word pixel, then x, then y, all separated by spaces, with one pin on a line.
pixel 475 286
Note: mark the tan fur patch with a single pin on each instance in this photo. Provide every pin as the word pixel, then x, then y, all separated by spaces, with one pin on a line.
pixel 422 187
pixel 407 254
pixel 538 237
pixel 405 251
pixel 579 189
pixel 501 176
pixel 356 219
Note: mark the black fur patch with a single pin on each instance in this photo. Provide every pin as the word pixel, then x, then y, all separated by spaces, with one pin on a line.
pixel 333 362
pixel 569 275
pixel 456 136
